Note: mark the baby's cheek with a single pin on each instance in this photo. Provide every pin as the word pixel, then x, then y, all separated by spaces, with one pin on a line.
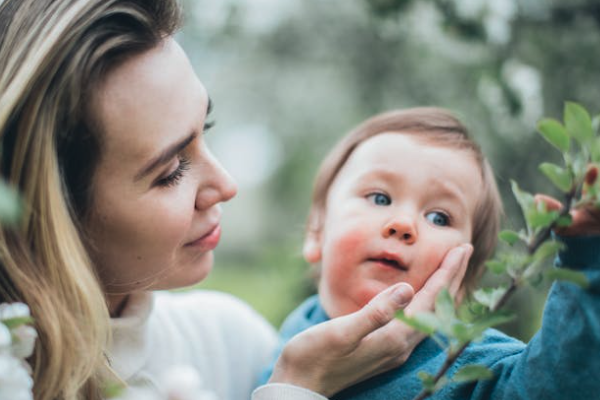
pixel 350 242
pixel 342 284
pixel 342 258
pixel 430 262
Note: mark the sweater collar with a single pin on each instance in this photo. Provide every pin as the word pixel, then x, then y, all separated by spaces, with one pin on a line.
pixel 129 348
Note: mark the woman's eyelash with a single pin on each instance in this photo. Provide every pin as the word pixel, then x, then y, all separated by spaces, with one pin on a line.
pixel 174 177
pixel 209 108
pixel 208 125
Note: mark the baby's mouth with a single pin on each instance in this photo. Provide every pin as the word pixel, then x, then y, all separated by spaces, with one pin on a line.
pixel 390 263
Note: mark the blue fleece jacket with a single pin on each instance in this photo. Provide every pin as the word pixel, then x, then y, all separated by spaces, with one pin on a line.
pixel 562 361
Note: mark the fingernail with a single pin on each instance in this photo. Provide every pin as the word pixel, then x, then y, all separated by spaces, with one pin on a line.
pixel 459 252
pixel 402 295
pixel 468 248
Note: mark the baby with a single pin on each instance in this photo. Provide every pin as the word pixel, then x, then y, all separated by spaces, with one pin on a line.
pixel 390 200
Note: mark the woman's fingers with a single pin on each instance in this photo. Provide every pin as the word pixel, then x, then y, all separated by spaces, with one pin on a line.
pixel 551 203
pixel 450 275
pixel 377 313
pixel 586 220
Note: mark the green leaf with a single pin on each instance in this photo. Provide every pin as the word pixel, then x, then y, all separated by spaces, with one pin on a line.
pixel 495 266
pixel 477 309
pixel 580 165
pixel 596 124
pixel 578 123
pixel 12 323
pixel 444 306
pixel 472 372
pixel 508 236
pixel 524 199
pixel 535 279
pixel 516 263
pixel 559 176
pixel 541 219
pixel 595 150
pixel 547 249
pixel 427 379
pixel 425 322
pixel 113 390
pixel 10 205
pixel 564 221
pixel 491 319
pixel 554 132
pixel 462 332
pixel 569 275
pixel 489 296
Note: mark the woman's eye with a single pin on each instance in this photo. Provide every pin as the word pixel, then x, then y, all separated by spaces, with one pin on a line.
pixel 174 177
pixel 380 199
pixel 438 218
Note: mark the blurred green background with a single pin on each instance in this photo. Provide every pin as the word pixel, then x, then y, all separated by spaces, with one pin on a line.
pixel 289 78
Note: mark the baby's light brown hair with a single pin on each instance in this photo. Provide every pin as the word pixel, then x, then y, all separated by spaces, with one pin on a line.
pixel 437 127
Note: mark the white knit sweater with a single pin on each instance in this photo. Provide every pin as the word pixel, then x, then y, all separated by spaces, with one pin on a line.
pixel 217 335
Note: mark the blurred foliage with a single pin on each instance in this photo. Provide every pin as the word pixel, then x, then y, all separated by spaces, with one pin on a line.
pixel 308 71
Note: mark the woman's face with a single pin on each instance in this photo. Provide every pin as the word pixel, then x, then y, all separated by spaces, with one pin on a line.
pixel 156 191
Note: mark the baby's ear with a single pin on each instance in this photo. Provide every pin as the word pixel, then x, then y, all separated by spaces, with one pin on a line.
pixel 312 247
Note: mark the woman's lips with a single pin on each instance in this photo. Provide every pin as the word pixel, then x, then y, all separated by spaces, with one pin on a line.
pixel 207 242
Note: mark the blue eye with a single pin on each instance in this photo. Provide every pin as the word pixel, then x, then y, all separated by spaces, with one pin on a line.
pixel 380 199
pixel 438 218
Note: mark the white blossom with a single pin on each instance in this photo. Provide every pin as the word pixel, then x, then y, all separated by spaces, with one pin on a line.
pixel 25 341
pixel 469 9
pixel 498 19
pixel 506 9
pixel 15 382
pixel 526 82
pixel 5 337
pixel 13 310
pixel 16 344
pixel 497 29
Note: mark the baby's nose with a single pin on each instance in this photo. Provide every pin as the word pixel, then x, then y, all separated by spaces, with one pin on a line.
pixel 401 228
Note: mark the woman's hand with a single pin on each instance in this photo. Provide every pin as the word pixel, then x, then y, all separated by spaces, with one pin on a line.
pixel 334 355
pixel 586 221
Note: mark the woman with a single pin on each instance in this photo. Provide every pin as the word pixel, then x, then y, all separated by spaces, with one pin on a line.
pixel 101 117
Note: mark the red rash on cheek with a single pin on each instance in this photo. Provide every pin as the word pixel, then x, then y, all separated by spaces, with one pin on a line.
pixel 343 276
pixel 350 242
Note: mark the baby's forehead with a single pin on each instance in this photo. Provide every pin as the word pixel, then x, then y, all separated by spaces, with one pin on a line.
pixel 420 148
pixel 400 162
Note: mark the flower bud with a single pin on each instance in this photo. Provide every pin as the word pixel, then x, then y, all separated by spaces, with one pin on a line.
pixel 591 175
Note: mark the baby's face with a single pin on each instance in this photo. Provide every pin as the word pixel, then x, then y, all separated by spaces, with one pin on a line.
pixel 395 209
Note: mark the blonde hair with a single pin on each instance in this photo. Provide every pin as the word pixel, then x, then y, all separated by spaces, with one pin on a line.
pixel 438 127
pixel 53 55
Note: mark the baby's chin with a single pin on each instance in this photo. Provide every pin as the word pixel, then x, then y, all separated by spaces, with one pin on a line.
pixel 339 310
pixel 337 306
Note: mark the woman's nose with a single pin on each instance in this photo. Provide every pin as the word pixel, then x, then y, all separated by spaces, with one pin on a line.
pixel 217 187
pixel 402 228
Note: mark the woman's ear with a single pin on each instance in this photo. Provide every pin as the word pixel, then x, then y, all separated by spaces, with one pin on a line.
pixel 312 247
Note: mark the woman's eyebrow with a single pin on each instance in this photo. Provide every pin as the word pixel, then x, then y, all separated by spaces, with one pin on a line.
pixel 165 156
pixel 171 151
